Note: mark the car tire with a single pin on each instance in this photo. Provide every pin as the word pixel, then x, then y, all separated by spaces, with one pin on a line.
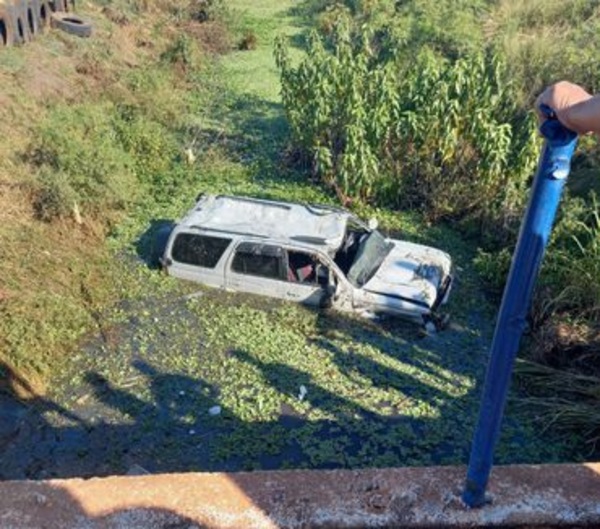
pixel 23 33
pixel 72 24
pixel 7 28
pixel 32 16
pixel 43 12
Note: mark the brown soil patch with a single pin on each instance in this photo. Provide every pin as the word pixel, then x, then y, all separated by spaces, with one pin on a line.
pixel 567 345
pixel 47 82
pixel 213 37
pixel 14 202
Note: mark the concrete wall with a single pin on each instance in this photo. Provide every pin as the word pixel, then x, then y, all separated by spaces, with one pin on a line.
pixel 545 496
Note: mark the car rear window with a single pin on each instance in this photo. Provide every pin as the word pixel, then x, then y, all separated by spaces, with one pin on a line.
pixel 199 250
pixel 258 260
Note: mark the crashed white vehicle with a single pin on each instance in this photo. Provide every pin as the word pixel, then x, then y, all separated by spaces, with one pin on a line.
pixel 317 255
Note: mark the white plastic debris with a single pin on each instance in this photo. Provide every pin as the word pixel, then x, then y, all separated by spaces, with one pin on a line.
pixel 430 327
pixel 181 393
pixel 303 392
pixel 190 156
pixel 215 410
pixel 192 432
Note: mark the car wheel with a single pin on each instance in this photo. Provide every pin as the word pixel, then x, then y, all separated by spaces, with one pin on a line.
pixel 72 24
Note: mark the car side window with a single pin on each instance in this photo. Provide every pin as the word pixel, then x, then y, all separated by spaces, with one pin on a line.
pixel 302 268
pixel 199 250
pixel 258 260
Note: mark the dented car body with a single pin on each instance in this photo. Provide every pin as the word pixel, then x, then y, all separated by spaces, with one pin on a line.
pixel 317 255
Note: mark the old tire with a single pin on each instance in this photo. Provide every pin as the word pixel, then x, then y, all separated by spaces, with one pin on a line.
pixel 18 13
pixel 32 13
pixel 72 24
pixel 7 29
pixel 43 11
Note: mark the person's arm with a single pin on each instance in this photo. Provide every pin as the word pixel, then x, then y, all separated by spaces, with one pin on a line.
pixel 575 108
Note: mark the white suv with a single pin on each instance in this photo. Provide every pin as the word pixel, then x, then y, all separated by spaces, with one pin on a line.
pixel 318 255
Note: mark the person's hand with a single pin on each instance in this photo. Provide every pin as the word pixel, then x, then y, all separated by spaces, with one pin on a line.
pixel 562 97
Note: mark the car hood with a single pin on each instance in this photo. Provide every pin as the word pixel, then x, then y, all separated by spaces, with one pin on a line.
pixel 411 272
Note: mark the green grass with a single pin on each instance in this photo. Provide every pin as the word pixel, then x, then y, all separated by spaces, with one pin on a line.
pixel 254 73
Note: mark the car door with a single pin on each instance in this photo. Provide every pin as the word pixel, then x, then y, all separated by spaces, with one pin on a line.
pixel 198 257
pixel 307 277
pixel 257 268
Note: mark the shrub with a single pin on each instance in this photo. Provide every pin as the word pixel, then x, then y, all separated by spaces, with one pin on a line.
pixel 493 267
pixel 150 144
pixel 81 161
pixel 55 197
pixel 183 53
pixel 248 42
pixel 444 136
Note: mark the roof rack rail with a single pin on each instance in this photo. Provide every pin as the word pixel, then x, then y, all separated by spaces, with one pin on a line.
pixel 326 208
pixel 271 203
pixel 229 232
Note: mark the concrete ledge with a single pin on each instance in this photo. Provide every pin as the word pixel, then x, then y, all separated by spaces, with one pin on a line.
pixel 544 496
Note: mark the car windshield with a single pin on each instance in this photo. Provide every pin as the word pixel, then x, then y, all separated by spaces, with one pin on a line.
pixel 373 249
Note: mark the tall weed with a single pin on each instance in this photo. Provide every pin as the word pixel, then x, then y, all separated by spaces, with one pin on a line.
pixel 575 267
pixel 443 136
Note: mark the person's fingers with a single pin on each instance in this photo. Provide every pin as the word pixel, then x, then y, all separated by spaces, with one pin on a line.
pixel 560 97
pixel 542 99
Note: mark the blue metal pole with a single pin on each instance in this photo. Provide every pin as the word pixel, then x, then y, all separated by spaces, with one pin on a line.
pixel 552 172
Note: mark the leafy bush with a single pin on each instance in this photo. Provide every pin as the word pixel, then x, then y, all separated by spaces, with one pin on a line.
pixel 433 134
pixel 55 196
pixel 82 161
pixel 99 158
pixel 493 267
pixel 151 145
pixel 184 52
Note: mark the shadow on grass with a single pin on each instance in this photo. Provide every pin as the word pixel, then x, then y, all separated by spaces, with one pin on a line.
pixel 151 245
pixel 250 129
pixel 174 422
pixel 170 403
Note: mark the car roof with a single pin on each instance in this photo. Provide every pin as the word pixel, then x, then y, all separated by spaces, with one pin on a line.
pixel 313 225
